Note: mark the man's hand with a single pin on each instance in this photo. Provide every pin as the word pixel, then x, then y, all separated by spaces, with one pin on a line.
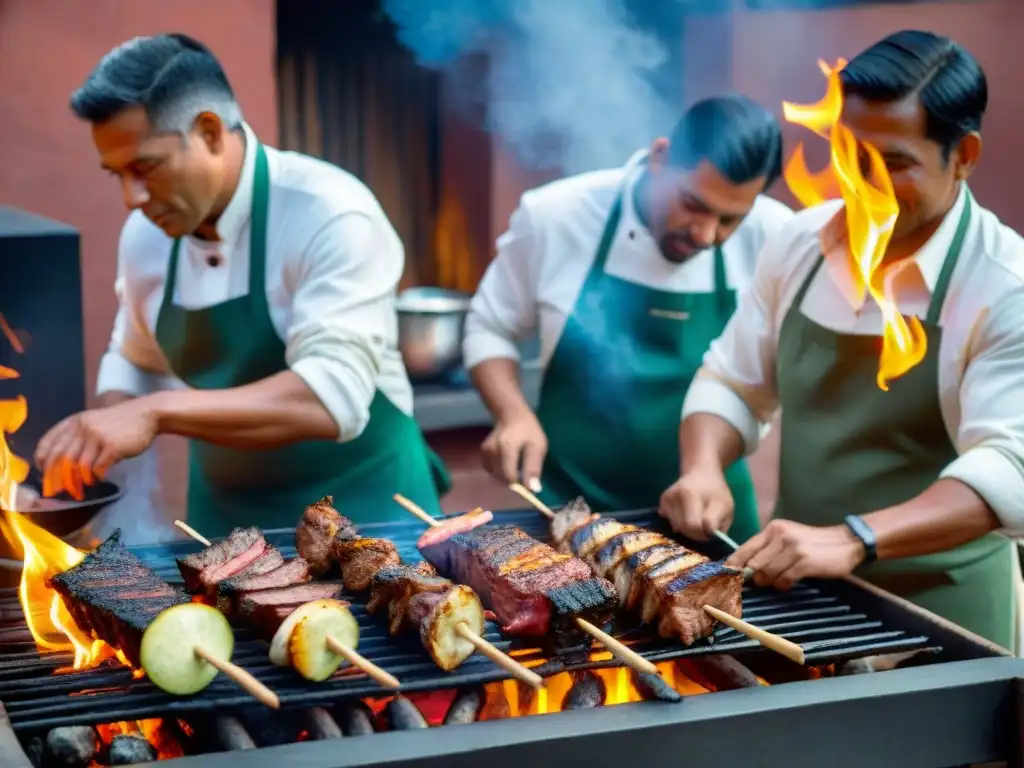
pixel 83 447
pixel 518 443
pixel 785 552
pixel 698 504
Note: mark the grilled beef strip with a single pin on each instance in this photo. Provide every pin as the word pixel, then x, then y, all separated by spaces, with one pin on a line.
pixel 533 590
pixel 230 591
pixel 653 575
pixel 265 609
pixel 113 596
pixel 222 560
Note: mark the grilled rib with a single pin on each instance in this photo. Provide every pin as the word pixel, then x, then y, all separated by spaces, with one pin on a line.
pixel 653 575
pixel 415 598
pixel 533 590
pixel 113 596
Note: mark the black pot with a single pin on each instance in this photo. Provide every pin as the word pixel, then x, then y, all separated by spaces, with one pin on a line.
pixel 72 515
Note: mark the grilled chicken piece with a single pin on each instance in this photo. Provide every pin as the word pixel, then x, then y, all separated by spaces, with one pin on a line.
pixel 318 530
pixel 361 558
pixel 113 596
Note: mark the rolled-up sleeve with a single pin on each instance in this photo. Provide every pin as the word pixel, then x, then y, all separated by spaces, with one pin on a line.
pixel 737 380
pixel 504 309
pixel 990 436
pixel 344 300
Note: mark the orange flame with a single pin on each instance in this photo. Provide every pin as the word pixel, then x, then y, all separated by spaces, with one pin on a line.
pixel 43 554
pixel 871 211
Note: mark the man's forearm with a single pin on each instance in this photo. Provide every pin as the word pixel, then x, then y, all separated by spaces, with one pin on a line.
pixel 273 412
pixel 948 514
pixel 108 399
pixel 497 381
pixel 706 440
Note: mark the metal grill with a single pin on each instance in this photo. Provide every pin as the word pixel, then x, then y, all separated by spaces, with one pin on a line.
pixel 826 627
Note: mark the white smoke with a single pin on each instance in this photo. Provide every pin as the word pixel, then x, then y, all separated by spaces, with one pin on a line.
pixel 572 83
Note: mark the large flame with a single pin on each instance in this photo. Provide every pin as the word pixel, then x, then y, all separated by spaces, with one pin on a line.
pixel 43 554
pixel 871 211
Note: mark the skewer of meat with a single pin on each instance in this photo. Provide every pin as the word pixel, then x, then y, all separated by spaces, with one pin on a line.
pixel 448 617
pixel 534 591
pixel 331 642
pixel 685 591
pixel 181 646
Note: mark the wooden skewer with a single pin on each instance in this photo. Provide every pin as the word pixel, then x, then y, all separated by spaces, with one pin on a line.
pixel 528 495
pixel 748 573
pixel 620 651
pixel 357 660
pixel 781 645
pixel 190 531
pixel 778 644
pixel 244 680
pixel 492 652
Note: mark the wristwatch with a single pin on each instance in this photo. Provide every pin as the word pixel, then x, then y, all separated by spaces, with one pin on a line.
pixel 863 531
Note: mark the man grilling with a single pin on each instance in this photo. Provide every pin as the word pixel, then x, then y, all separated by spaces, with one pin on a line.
pixel 265 282
pixel 911 483
pixel 626 275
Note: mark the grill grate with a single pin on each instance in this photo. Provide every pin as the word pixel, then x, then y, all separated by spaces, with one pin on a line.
pixel 826 628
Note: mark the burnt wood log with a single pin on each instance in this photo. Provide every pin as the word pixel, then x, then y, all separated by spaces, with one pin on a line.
pixel 465 707
pixel 720 672
pixel 320 725
pixel 355 719
pixel 587 691
pixel 402 715
pixel 229 735
pixel 653 687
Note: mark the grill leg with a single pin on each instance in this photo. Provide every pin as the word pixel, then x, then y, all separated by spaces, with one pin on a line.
pixel 11 753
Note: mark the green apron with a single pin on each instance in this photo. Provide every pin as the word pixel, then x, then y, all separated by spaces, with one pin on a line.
pixel 850 448
pixel 613 391
pixel 233 344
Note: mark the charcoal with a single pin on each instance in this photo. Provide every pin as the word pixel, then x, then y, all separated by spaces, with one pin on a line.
pixel 653 687
pixel 112 594
pixel 587 691
pixel 267 727
pixel 222 560
pixel 465 707
pixel 129 749
pixel 402 715
pixel 73 745
pixel 320 725
pixel 855 667
pixel 229 735
pixel 356 719
pixel 720 672
pixel 35 751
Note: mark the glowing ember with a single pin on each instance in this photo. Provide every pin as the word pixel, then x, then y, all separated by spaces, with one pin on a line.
pixel 43 554
pixel 871 211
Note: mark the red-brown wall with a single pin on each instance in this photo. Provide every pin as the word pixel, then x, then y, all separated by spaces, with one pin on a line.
pixel 47 163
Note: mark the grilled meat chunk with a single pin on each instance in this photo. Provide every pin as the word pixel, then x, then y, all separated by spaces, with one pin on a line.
pixel 321 525
pixel 570 517
pixel 230 591
pixel 361 558
pixel 222 560
pixel 533 590
pixel 114 596
pixel 662 580
pixel 266 609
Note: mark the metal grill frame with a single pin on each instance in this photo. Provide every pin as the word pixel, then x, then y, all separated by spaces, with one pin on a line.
pixel 831 621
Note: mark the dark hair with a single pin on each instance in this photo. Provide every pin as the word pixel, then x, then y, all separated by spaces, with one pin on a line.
pixel 173 77
pixel 948 80
pixel 741 138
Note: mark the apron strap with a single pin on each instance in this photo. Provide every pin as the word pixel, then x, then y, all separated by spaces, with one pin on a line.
pixel 258 231
pixel 798 299
pixel 949 265
pixel 608 236
pixel 172 274
pixel 722 294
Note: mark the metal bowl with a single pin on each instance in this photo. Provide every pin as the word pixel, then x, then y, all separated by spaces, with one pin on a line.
pixel 431 322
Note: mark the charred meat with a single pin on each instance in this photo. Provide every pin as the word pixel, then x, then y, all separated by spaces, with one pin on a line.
pixel 222 560
pixel 321 525
pixel 265 609
pixel 361 558
pixel 533 590
pixel 654 576
pixel 114 596
pixel 230 591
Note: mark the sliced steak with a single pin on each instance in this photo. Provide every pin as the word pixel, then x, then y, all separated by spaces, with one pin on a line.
pixel 316 532
pixel 112 595
pixel 222 560
pixel 230 591
pixel 533 590
pixel 261 609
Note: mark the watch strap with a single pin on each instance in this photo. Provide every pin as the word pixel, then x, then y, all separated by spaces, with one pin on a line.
pixel 863 531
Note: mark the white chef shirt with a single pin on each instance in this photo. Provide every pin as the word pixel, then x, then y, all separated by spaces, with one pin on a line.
pixel 531 286
pixel 981 357
pixel 333 265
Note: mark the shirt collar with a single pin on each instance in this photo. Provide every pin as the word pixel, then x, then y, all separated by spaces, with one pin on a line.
pixel 929 258
pixel 236 214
